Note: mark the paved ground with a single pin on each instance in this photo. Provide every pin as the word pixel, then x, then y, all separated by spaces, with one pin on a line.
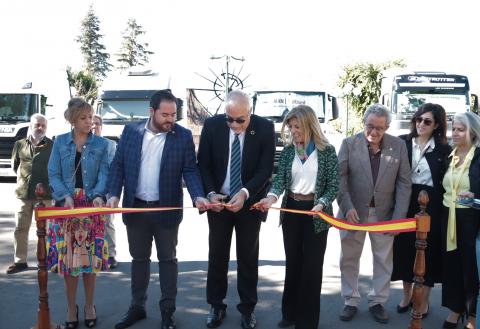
pixel 19 292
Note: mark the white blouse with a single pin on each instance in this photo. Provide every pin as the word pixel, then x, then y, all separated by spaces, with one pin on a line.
pixel 304 175
pixel 421 173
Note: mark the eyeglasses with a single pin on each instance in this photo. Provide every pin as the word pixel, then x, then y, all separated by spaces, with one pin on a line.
pixel 232 120
pixel 379 129
pixel 426 121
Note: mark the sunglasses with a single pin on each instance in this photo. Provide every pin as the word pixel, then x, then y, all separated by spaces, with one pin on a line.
pixel 426 121
pixel 232 120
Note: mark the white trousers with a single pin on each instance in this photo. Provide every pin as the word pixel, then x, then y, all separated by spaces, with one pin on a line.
pixel 382 250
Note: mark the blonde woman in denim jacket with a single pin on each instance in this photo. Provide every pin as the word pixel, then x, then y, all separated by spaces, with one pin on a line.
pixel 77 171
pixel 308 174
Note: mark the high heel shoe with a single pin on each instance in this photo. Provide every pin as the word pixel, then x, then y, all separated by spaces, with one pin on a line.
pixel 90 323
pixel 452 325
pixel 72 324
pixel 403 309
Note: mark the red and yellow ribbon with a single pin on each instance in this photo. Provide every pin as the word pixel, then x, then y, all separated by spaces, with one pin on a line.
pixel 391 226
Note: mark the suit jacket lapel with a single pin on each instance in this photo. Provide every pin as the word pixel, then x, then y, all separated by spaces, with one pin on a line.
pixel 139 141
pixel 385 158
pixel 169 141
pixel 248 141
pixel 364 157
pixel 224 140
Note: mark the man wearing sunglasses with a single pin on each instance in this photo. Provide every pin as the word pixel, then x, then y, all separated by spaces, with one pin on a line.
pixel 235 158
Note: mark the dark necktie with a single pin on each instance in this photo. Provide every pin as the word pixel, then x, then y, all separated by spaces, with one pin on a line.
pixel 235 167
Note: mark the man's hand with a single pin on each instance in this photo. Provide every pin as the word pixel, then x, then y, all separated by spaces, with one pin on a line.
pixel 68 202
pixel 112 202
pixel 352 216
pixel 98 202
pixel 317 208
pixel 265 203
pixel 236 203
pixel 217 201
pixel 202 204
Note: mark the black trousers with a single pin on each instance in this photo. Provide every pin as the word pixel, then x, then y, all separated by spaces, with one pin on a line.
pixel 142 229
pixel 460 273
pixel 304 253
pixel 247 228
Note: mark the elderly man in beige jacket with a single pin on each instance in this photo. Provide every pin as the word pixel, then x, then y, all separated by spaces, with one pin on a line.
pixel 375 186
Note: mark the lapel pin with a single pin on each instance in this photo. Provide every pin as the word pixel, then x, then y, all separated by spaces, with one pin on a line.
pixel 252 132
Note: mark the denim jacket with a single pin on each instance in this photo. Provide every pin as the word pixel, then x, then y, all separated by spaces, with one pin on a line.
pixel 94 164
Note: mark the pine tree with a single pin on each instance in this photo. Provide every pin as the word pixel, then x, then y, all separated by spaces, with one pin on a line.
pixel 133 51
pixel 95 56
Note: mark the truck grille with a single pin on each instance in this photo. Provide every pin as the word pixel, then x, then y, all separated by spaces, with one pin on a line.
pixel 6 143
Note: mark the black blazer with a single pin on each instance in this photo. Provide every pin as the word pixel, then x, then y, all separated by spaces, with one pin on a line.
pixel 437 160
pixel 257 156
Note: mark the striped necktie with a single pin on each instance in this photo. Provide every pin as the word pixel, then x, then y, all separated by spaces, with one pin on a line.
pixel 235 167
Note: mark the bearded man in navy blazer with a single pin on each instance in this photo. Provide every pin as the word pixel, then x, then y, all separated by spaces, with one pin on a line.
pixel 235 158
pixel 150 161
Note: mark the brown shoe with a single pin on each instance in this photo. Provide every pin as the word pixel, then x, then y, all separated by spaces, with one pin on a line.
pixel 348 313
pixel 17 267
pixel 379 313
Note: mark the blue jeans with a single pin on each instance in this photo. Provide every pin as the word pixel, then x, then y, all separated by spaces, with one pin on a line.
pixel 478 266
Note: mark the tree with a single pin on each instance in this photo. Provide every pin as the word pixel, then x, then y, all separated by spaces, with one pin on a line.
pixel 133 52
pixel 96 59
pixel 362 83
pixel 84 83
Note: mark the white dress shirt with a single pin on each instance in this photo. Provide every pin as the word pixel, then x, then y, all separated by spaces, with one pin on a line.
pixel 304 175
pixel 149 175
pixel 421 173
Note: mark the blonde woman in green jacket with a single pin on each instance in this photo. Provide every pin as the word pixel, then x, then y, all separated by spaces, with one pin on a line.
pixel 308 174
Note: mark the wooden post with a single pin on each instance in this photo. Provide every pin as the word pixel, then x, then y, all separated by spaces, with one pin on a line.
pixel 423 227
pixel 43 314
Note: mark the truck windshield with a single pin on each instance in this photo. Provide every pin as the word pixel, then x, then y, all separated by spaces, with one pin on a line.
pixel 16 107
pixel 275 105
pixel 408 102
pixel 125 109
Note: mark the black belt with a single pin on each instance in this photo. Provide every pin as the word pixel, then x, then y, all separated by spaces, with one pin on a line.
pixel 137 200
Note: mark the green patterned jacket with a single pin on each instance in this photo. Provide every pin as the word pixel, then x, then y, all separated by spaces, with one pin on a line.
pixel 326 186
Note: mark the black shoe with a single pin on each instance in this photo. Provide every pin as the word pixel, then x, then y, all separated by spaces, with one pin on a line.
pixel 17 267
pixel 133 315
pixel 215 317
pixel 404 309
pixel 249 321
pixel 72 324
pixel 112 262
pixel 90 323
pixel 168 320
pixel 348 313
pixel 284 323
pixel 424 315
pixel 379 313
pixel 451 325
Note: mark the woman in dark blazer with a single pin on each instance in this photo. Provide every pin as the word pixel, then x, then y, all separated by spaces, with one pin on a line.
pixel 428 152
pixel 307 155
pixel 460 224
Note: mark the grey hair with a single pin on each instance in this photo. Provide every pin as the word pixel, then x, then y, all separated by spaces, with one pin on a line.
pixel 37 117
pixel 378 110
pixel 239 97
pixel 471 122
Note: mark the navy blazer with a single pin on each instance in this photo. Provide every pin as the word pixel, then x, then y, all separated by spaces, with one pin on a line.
pixel 178 160
pixel 257 156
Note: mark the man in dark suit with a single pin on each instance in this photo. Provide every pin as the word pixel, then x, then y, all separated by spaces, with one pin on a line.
pixel 151 159
pixel 235 158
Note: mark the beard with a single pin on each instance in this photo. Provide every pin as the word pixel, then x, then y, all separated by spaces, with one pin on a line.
pixel 38 135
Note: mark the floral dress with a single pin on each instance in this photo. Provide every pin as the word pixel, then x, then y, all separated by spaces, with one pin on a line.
pixel 77 245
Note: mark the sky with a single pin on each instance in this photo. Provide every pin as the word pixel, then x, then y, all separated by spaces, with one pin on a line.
pixel 284 43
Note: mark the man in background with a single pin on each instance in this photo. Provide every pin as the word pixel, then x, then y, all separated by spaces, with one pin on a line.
pixel 29 161
pixel 110 236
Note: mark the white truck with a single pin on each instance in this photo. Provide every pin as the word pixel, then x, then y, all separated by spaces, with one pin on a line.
pixel 17 104
pixel 125 97
pixel 275 105
pixel 407 92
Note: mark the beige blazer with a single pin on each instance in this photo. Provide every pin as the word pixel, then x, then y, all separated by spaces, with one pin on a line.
pixel 393 187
